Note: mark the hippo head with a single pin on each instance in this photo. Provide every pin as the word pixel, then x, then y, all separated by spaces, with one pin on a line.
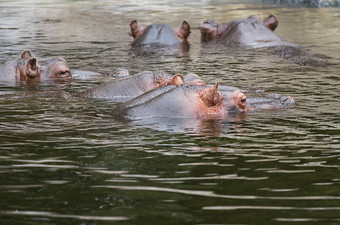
pixel 216 105
pixel 211 30
pixel 159 33
pixel 57 68
pixel 54 68
pixel 237 101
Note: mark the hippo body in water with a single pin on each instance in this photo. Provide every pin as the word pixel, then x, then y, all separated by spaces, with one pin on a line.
pixel 185 101
pixel 199 102
pixel 255 34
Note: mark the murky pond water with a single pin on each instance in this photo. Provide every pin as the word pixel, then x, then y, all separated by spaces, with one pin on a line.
pixel 67 161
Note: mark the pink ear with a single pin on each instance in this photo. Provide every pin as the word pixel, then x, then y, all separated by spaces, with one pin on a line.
pixel 32 68
pixel 185 29
pixel 271 22
pixel 26 54
pixel 32 63
pixel 177 80
pixel 134 28
pixel 211 96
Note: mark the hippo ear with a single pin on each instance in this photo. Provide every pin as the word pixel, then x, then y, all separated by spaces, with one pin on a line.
pixel 134 28
pixel 32 63
pixel 211 97
pixel 177 80
pixel 208 31
pixel 271 22
pixel 185 29
pixel 32 68
pixel 26 54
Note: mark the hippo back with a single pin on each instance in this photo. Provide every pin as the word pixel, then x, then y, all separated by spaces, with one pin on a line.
pixel 126 87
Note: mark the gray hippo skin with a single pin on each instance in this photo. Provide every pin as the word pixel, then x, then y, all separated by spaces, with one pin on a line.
pixel 160 34
pixel 132 86
pixel 270 102
pixel 185 101
pixel 253 33
pixel 25 68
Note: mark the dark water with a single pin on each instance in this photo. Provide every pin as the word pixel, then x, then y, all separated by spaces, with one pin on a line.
pixel 67 161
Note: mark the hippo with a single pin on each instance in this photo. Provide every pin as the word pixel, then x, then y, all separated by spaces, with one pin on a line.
pixel 184 101
pixel 52 68
pixel 55 68
pixel 132 86
pixel 29 68
pixel 256 34
pixel 25 68
pixel 159 34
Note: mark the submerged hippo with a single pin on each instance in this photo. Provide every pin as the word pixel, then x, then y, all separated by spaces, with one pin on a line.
pixel 185 101
pixel 270 102
pixel 132 86
pixel 25 68
pixel 253 33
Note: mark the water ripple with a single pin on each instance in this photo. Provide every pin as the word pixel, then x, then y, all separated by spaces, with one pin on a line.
pixel 270 208
pixel 57 215
pixel 211 194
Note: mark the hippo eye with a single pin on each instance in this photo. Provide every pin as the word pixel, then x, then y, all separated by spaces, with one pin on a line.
pixel 64 72
pixel 244 100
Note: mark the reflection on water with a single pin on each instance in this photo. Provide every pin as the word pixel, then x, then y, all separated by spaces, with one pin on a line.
pixel 66 160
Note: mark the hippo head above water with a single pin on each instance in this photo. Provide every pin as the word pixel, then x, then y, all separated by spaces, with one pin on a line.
pixel 56 68
pixel 53 68
pixel 246 32
pixel 256 34
pixel 161 34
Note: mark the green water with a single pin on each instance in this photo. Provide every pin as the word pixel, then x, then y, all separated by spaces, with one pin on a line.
pixel 67 161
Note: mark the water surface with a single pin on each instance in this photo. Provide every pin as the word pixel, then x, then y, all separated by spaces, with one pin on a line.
pixel 67 161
